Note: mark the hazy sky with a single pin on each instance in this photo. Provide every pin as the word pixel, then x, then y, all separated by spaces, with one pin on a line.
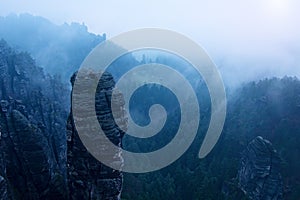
pixel 253 37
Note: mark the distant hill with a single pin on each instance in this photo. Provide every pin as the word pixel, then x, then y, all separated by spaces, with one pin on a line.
pixel 56 48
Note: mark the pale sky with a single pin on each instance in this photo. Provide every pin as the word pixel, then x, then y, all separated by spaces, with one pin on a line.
pixel 253 37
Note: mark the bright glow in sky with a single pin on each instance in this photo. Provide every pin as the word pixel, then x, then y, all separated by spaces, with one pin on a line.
pixel 278 8
pixel 248 35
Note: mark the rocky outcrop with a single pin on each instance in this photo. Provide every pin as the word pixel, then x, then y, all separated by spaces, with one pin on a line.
pixel 87 177
pixel 31 167
pixel 33 139
pixel 32 120
pixel 259 174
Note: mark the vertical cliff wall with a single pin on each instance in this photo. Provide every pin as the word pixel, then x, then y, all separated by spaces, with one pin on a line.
pixel 87 177
pixel 32 120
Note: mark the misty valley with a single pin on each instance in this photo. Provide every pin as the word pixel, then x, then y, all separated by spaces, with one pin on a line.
pixel 42 155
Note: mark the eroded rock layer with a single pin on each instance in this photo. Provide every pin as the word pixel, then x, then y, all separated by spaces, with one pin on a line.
pixel 87 177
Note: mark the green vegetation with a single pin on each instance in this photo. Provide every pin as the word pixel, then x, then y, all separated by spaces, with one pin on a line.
pixel 269 108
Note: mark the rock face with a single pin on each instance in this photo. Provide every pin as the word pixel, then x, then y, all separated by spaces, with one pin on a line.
pixel 259 175
pixel 34 142
pixel 32 120
pixel 87 177
pixel 33 150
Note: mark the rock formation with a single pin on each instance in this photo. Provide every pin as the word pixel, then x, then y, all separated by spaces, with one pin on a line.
pixel 259 174
pixel 33 156
pixel 34 142
pixel 87 177
pixel 33 149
